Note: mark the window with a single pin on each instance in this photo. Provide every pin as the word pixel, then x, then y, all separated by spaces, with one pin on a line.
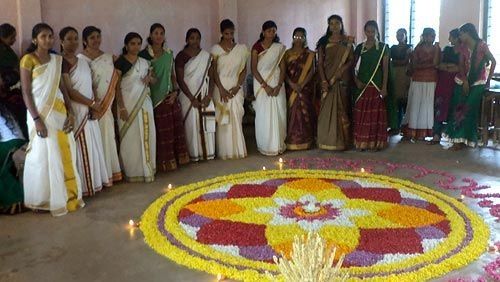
pixel 493 27
pixel 413 15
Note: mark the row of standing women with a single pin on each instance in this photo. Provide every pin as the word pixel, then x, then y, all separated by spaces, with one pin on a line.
pixel 169 111
pixel 439 92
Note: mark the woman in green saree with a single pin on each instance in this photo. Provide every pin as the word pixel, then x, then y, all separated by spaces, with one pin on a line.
pixel 171 148
pixel 370 114
pixel 470 84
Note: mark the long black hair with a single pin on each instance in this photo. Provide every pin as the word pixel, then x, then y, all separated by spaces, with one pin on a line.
pixel 151 29
pixel 324 39
pixel 63 33
pixel 128 38
pixel 303 30
pixel 455 33
pixel 373 24
pixel 87 31
pixel 425 32
pixel 37 29
pixel 267 25
pixel 6 30
pixel 226 24
pixel 403 30
pixel 10 120
pixel 188 34
pixel 471 30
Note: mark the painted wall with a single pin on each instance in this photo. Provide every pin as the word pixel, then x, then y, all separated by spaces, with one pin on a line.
pixel 457 12
pixel 288 15
pixel 9 12
pixel 9 15
pixel 117 17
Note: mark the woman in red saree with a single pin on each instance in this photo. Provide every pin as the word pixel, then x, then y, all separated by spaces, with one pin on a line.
pixel 370 115
pixel 299 62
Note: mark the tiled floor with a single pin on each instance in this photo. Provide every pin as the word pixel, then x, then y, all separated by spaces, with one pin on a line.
pixel 94 244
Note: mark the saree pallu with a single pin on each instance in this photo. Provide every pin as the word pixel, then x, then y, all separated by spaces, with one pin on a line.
pixel 301 113
pixel 171 147
pixel 199 124
pixel 463 116
pixel 229 116
pixel 419 118
pixel 50 166
pixel 370 113
pixel 442 99
pixel 334 126
pixel 90 157
pixel 11 189
pixel 270 112
pixel 137 133
pixel 104 80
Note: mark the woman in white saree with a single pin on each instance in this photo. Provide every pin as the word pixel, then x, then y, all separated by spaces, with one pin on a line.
pixel 77 79
pixel 136 123
pixel 105 81
pixel 268 70
pixel 192 66
pixel 229 74
pixel 53 182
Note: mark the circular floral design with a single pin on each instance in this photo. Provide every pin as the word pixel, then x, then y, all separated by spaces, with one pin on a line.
pixel 388 228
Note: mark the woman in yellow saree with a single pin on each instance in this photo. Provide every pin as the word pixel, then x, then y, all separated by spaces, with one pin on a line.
pixel 334 65
pixel 50 167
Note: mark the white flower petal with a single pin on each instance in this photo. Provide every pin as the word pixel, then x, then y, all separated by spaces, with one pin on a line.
pixel 307 199
pixel 232 250
pixel 311 225
pixel 283 202
pixel 280 220
pixel 430 244
pixel 191 231
pixel 341 220
pixel 270 210
pixel 223 189
pixel 392 258
pixel 371 184
pixel 354 212
pixel 406 194
pixel 336 203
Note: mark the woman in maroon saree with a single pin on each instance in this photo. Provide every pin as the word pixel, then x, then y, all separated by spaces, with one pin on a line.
pixel 299 62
